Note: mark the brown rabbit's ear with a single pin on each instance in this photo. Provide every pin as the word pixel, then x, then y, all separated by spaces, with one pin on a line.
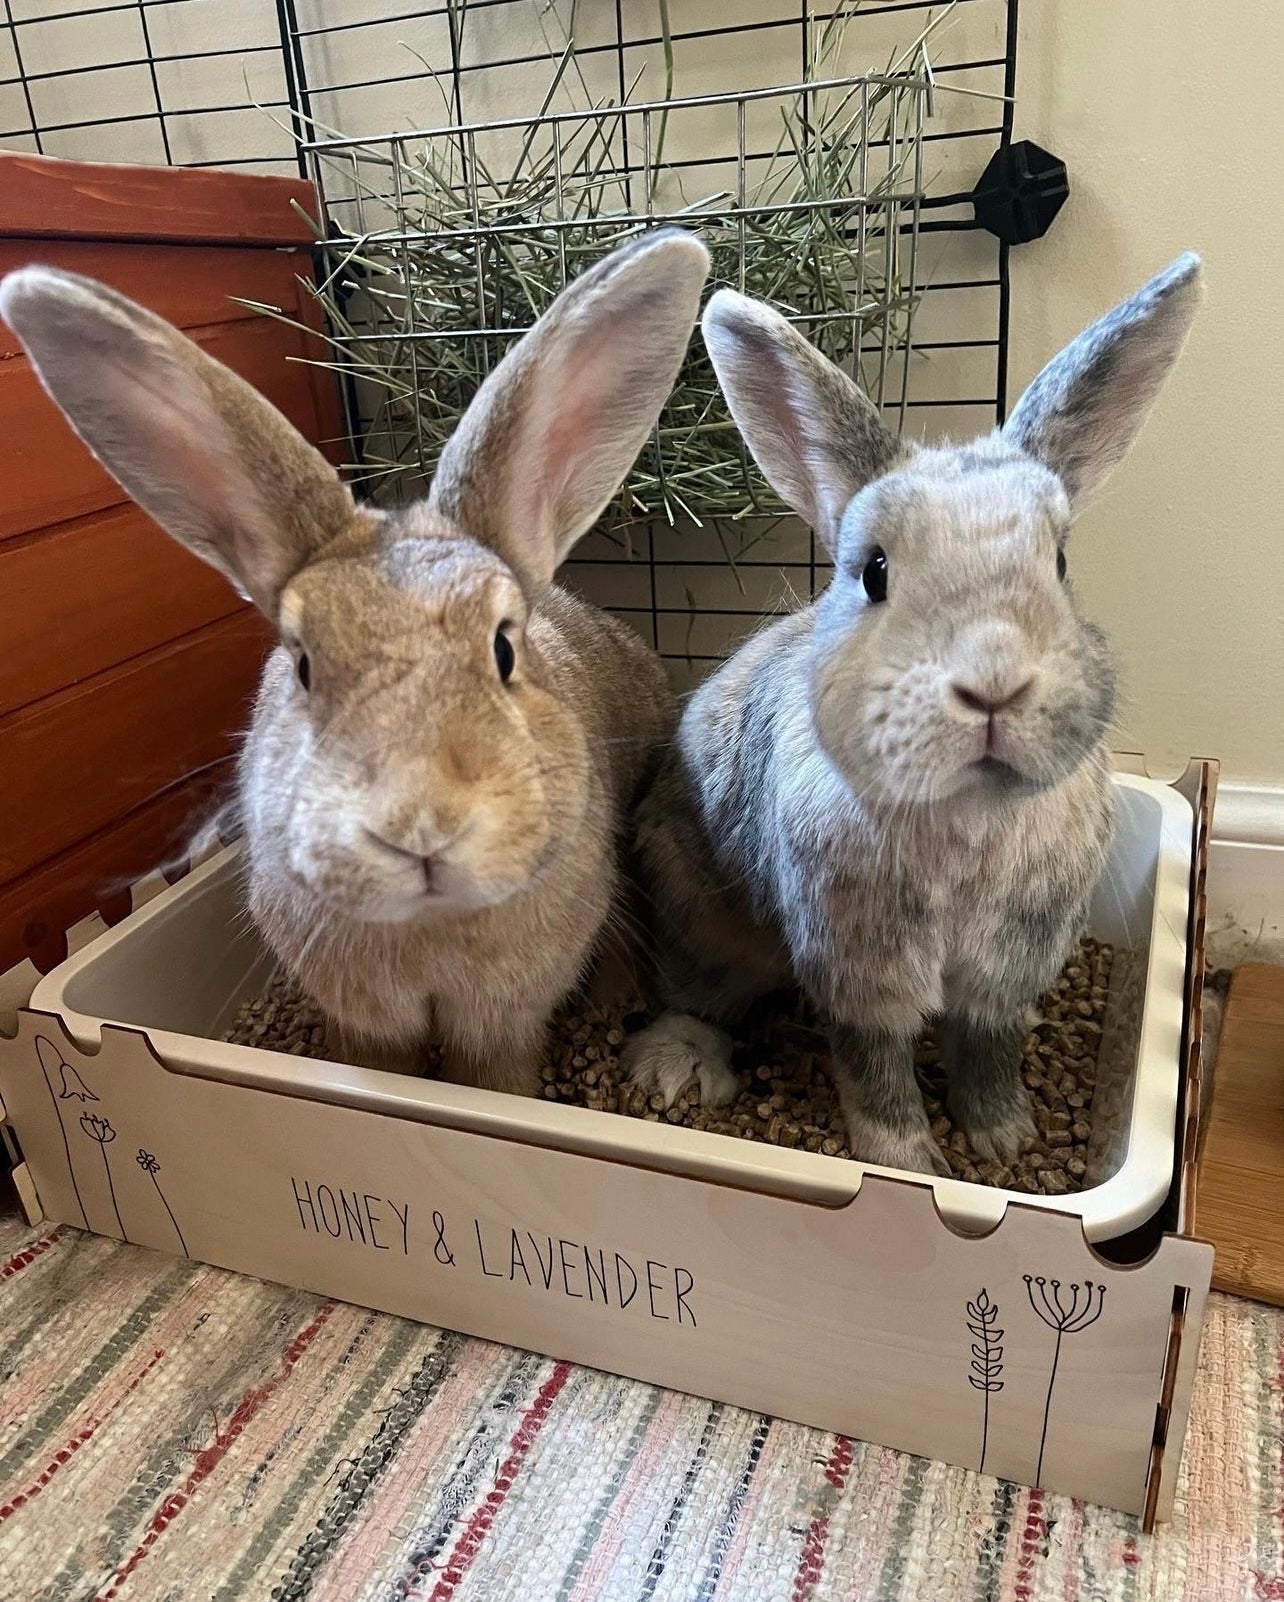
pixel 817 439
pixel 551 434
pixel 1083 411
pixel 199 450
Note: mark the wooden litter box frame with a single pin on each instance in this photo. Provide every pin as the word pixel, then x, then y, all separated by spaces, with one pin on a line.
pixel 1023 1351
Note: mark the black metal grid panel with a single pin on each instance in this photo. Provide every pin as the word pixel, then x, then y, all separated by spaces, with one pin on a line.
pixel 179 82
pixel 245 83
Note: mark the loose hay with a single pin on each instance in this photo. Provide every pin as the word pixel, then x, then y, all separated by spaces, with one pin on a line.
pixel 446 245
pixel 783 1059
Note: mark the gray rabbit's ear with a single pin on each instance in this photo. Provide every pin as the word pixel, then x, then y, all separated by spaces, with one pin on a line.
pixel 551 434
pixel 202 452
pixel 1081 414
pixel 817 439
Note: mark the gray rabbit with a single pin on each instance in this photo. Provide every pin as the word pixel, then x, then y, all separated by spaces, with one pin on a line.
pixel 900 797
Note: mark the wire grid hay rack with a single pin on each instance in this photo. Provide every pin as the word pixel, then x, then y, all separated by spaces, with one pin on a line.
pixel 444 245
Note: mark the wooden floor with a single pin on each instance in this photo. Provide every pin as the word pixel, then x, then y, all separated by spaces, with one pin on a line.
pixel 1241 1170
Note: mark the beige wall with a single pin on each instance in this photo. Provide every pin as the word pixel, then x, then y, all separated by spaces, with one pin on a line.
pixel 1170 117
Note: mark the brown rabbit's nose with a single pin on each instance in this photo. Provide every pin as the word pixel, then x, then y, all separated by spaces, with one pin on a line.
pixel 988 703
pixel 429 866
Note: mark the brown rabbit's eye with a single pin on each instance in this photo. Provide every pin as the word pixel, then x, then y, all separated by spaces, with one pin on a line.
pixel 304 670
pixel 505 656
pixel 1061 564
pixel 874 577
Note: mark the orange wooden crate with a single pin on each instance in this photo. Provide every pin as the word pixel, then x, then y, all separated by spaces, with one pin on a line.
pixel 127 665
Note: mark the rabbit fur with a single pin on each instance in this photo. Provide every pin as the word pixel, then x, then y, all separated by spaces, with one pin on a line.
pixel 431 845
pixel 901 804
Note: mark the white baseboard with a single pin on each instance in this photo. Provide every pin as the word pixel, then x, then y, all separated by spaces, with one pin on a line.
pixel 1250 814
pixel 1246 875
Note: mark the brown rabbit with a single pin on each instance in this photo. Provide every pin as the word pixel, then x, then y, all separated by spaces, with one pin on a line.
pixel 444 744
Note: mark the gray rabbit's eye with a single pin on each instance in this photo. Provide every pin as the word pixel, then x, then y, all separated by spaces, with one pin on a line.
pixel 874 576
pixel 1061 564
pixel 304 670
pixel 505 656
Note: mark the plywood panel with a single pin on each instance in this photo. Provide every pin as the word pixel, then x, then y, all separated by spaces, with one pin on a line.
pixel 48 474
pixel 78 599
pixel 75 761
pixel 1019 1353
pixel 48 198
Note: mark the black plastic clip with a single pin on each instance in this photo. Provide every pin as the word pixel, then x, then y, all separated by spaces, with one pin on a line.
pixel 1020 192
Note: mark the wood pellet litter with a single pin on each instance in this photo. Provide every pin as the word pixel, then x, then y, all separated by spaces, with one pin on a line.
pixel 783 1060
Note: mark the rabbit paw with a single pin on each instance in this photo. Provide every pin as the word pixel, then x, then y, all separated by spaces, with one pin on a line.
pixel 912 1149
pixel 677 1049
pixel 1002 1140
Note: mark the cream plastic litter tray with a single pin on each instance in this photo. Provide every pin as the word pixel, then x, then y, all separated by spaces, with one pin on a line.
pixel 181 967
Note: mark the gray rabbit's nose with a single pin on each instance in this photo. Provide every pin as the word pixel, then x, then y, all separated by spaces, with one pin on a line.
pixel 992 701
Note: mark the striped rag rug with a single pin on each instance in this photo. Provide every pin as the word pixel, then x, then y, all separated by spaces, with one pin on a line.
pixel 169 1431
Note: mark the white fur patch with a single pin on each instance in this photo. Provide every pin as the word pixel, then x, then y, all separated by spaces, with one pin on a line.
pixel 674 1051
